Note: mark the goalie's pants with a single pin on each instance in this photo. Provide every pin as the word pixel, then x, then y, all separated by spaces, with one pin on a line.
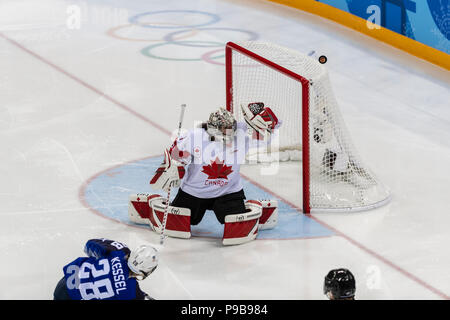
pixel 231 203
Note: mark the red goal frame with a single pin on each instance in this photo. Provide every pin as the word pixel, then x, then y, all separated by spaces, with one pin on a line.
pixel 303 82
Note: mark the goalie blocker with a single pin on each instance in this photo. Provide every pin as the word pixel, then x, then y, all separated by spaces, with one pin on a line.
pixel 238 228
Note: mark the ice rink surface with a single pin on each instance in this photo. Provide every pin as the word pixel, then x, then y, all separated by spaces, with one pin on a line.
pixel 85 89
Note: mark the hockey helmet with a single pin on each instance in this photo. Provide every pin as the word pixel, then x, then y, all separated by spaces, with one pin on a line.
pixel 143 261
pixel 339 284
pixel 221 124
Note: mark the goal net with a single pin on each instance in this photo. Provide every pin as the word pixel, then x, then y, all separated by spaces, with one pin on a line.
pixel 297 88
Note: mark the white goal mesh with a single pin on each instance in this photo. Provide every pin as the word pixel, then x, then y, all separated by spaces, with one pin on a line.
pixel 297 88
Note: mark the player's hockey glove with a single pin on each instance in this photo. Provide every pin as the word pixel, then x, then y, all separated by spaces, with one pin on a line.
pixel 169 174
pixel 262 119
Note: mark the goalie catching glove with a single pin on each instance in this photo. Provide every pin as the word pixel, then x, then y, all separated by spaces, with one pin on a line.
pixel 169 174
pixel 262 119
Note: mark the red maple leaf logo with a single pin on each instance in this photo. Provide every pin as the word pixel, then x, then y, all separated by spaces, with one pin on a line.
pixel 217 170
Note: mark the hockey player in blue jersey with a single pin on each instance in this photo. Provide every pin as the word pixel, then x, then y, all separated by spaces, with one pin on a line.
pixel 109 272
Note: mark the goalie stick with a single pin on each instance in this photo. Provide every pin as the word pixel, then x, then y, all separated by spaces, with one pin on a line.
pixel 163 236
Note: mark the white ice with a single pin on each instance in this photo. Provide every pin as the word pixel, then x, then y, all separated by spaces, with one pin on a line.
pixel 75 102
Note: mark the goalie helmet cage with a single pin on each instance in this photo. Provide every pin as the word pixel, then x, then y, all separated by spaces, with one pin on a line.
pixel 298 89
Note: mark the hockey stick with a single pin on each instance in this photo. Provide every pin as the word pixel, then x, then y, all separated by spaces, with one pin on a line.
pixel 166 210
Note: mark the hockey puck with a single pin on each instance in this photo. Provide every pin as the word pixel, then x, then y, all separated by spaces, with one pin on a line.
pixel 323 59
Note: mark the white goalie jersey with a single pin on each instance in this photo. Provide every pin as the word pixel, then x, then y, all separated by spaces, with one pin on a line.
pixel 212 167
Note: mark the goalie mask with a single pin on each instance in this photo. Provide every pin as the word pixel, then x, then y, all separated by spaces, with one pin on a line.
pixel 143 261
pixel 221 125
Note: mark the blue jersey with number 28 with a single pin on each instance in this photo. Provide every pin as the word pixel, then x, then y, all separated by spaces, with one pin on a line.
pixel 102 279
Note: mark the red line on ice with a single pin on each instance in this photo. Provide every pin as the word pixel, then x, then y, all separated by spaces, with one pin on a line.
pixel 87 85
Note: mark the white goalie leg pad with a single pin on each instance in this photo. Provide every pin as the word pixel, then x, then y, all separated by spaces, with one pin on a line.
pixel 269 216
pixel 139 210
pixel 242 227
pixel 178 223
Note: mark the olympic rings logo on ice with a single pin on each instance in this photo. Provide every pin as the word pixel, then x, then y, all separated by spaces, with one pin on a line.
pixel 208 47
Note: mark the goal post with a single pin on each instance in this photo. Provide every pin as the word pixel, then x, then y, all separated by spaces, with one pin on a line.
pixel 298 89
pixel 230 47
